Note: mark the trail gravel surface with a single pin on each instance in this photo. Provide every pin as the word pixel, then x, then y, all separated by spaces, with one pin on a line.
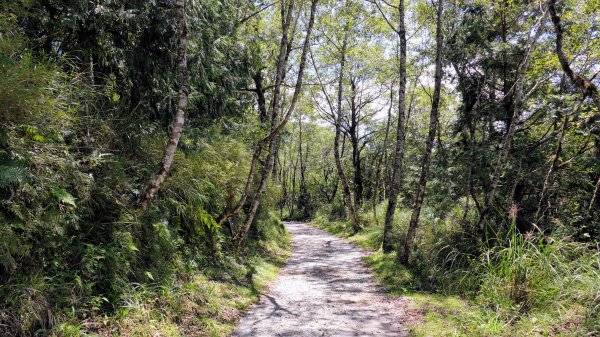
pixel 324 290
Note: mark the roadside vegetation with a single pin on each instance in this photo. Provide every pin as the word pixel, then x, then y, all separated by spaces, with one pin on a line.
pixel 91 241
pixel 523 286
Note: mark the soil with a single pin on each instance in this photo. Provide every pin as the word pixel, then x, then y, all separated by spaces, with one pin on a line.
pixel 325 290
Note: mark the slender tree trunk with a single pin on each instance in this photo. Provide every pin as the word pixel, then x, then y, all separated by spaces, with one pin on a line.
pixel 267 168
pixel 283 181
pixel 410 107
pixel 303 192
pixel 337 177
pixel 286 17
pixel 356 165
pixel 518 108
pixel 354 140
pixel 301 159
pixel 551 170
pixel 260 99
pixel 167 160
pixel 400 136
pixel 294 199
pixel 586 86
pixel 433 125
pixel 378 170
pixel 230 211
pixel 383 157
pixel 263 117
pixel 464 221
pixel 348 195
pixel 272 138
pixel 303 195
pixel 594 198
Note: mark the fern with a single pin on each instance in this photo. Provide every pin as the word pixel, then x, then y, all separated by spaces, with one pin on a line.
pixel 12 176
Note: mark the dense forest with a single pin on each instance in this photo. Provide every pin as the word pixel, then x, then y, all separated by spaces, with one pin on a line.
pixel 150 149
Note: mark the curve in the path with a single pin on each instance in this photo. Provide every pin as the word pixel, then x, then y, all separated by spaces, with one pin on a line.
pixel 324 290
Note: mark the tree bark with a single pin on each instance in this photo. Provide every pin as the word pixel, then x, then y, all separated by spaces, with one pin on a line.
pixel 272 137
pixel 587 87
pixel 348 195
pixel 167 160
pixel 400 137
pixel 433 125
pixel 355 142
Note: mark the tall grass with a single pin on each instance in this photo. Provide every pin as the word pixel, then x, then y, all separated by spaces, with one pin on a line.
pixel 526 274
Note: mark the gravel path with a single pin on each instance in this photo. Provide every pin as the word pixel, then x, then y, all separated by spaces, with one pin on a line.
pixel 324 290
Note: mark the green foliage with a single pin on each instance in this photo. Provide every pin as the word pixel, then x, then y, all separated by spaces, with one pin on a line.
pixel 86 92
pixel 88 89
pixel 522 285
pixel 528 274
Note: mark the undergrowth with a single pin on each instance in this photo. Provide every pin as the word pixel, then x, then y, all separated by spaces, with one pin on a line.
pixel 530 284
pixel 77 254
pixel 204 302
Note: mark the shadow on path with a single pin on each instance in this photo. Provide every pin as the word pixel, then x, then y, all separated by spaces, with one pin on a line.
pixel 324 290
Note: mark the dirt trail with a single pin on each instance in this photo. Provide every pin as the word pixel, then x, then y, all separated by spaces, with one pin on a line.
pixel 324 290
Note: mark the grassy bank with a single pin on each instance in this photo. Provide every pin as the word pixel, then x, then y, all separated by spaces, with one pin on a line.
pixel 520 288
pixel 205 303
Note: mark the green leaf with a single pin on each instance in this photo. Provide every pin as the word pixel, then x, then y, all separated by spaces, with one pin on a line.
pixel 39 138
pixel 64 196
pixel 132 247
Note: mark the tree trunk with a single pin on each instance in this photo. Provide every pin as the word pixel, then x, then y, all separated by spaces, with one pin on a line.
pixel 354 140
pixel 594 198
pixel 303 192
pixel 348 195
pixel 260 99
pixel 293 199
pixel 400 136
pixel 272 138
pixel 267 168
pixel 586 86
pixel 518 108
pixel 263 117
pixel 433 125
pixel 230 211
pixel 382 155
pixel 279 70
pixel 551 170
pixel 167 160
